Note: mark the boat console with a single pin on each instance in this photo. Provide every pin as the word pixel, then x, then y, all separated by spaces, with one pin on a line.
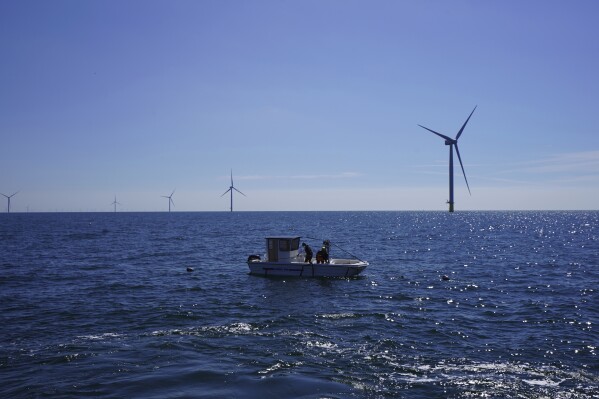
pixel 282 249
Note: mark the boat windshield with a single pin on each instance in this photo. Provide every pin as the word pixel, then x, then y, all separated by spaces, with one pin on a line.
pixel 295 244
pixel 289 245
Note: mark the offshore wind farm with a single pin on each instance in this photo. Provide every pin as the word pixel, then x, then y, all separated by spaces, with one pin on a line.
pixel 310 119
pixel 316 105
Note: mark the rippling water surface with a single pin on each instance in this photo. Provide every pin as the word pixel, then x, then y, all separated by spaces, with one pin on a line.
pixel 102 305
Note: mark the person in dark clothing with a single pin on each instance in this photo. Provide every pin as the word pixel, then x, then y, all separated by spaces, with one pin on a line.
pixel 326 244
pixel 308 252
pixel 322 256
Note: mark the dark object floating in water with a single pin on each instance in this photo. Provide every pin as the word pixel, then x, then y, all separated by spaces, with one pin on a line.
pixel 190 269
pixel 445 278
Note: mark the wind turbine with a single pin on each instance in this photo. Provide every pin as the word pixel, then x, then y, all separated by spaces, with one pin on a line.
pixel 451 143
pixel 9 197
pixel 115 203
pixel 231 190
pixel 170 200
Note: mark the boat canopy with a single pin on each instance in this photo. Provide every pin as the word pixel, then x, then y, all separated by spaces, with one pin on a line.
pixel 282 249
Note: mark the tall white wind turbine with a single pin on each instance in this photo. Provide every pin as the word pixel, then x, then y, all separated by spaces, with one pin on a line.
pixel 231 189
pixel 453 143
pixel 8 197
pixel 115 203
pixel 170 200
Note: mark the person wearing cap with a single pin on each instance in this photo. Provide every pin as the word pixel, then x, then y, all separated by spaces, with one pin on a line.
pixel 322 256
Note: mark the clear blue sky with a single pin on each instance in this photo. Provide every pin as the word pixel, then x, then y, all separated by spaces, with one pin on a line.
pixel 314 105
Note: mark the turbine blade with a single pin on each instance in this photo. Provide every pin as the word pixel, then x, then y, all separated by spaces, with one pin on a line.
pixel 173 192
pixel 231 177
pixel 438 134
pixel 5 195
pixel 462 165
pixel 464 125
pixel 171 200
pixel 239 192
pixel 225 192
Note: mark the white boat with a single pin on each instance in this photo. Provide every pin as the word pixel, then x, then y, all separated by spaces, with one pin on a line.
pixel 283 258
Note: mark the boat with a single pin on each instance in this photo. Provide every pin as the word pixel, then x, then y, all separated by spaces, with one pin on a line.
pixel 283 258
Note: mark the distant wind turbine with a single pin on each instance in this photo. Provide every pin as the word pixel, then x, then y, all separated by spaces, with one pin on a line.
pixel 9 197
pixel 115 203
pixel 451 143
pixel 231 190
pixel 170 200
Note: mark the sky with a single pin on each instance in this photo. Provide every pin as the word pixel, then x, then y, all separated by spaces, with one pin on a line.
pixel 311 104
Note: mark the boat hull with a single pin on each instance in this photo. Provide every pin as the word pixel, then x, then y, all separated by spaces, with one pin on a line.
pixel 336 268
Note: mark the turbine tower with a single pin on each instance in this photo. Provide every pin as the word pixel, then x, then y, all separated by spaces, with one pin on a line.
pixel 9 197
pixel 451 143
pixel 170 200
pixel 115 203
pixel 231 190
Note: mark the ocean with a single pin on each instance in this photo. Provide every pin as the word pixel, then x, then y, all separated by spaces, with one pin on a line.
pixel 102 305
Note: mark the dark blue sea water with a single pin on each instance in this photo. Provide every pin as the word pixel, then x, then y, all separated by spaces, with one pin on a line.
pixel 102 305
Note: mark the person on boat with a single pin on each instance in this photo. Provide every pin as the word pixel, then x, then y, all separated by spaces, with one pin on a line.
pixel 326 244
pixel 325 253
pixel 308 253
pixel 322 256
